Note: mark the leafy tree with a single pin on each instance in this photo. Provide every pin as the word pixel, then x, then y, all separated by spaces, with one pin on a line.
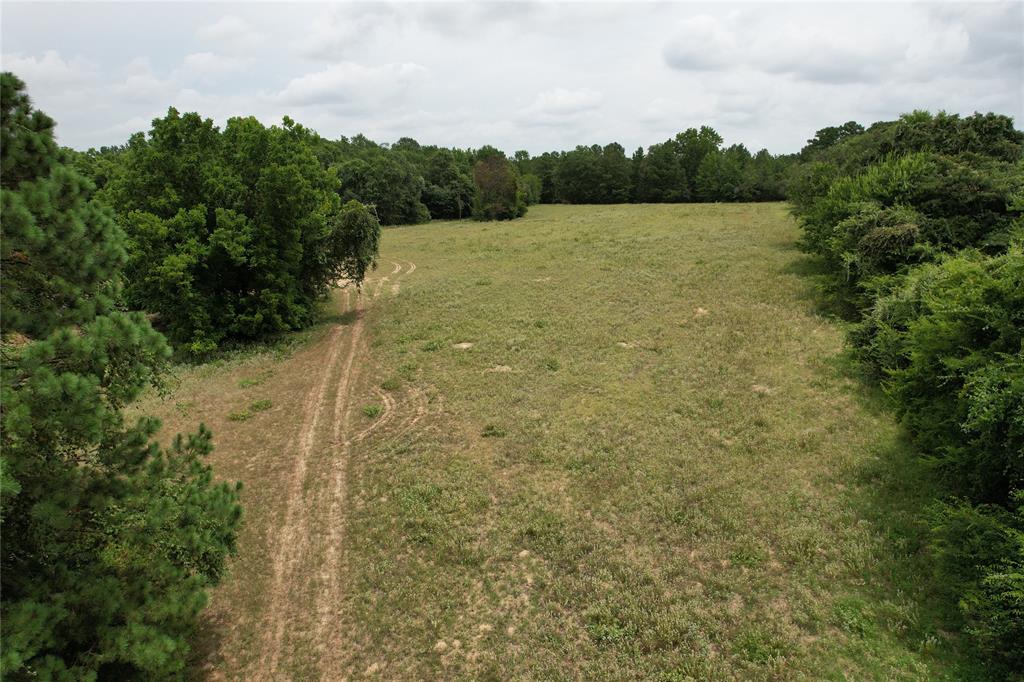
pixel 545 167
pixel 578 176
pixel 530 186
pixel 498 193
pixel 944 203
pixel 691 146
pixel 661 177
pixel 721 175
pixel 388 183
pixel 830 136
pixel 635 169
pixel 233 234
pixel 765 177
pixel 109 541
pixel 948 344
pixel 615 174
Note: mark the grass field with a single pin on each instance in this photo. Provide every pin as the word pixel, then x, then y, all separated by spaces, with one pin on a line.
pixel 594 443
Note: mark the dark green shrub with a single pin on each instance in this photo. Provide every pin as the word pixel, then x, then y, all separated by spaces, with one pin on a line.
pixel 948 343
pixel 980 558
pixel 904 211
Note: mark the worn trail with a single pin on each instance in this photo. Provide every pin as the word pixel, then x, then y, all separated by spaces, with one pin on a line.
pixel 307 558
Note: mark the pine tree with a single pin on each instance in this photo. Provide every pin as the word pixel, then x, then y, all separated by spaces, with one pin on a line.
pixel 108 540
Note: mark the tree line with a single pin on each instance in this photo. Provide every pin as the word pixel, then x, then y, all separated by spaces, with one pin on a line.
pixel 692 166
pixel 918 224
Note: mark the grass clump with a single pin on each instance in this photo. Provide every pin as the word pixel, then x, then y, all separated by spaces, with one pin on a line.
pixel 261 405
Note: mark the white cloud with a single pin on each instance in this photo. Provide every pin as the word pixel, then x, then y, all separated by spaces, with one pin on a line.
pixel 349 87
pixel 539 76
pixel 50 70
pixel 231 34
pixel 826 44
pixel 563 102
pixel 142 84
pixel 210 67
pixel 342 29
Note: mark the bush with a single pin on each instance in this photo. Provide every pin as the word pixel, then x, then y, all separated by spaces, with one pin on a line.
pixel 980 558
pixel 948 344
pixel 906 210
pixel 920 231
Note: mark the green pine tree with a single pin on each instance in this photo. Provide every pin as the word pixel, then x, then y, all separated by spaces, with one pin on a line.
pixel 109 541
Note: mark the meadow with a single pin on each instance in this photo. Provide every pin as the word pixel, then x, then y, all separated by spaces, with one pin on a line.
pixel 615 442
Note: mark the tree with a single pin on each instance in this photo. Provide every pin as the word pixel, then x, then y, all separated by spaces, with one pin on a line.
pixel 109 541
pixel 498 194
pixel 234 234
pixel 830 136
pixel 530 186
pixel 662 178
pixel 578 176
pixel 390 183
pixel 614 174
pixel 721 175
pixel 448 193
pixel 764 177
pixel 691 146
pixel 636 163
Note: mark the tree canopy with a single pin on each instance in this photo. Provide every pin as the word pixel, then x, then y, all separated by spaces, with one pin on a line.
pixel 234 233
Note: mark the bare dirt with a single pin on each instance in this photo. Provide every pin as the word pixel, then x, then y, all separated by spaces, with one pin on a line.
pixel 280 612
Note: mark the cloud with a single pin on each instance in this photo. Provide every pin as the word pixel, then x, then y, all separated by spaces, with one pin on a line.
pixel 231 34
pixel 349 87
pixel 562 102
pixel 514 75
pixel 210 67
pixel 701 43
pixel 142 84
pixel 344 28
pixel 50 71
pixel 825 44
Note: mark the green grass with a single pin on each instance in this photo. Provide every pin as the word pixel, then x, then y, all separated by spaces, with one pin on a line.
pixel 671 477
pixel 261 405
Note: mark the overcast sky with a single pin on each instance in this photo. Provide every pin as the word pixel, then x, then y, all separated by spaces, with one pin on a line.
pixel 536 76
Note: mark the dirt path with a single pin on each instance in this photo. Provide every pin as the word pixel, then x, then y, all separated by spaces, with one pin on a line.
pixel 307 547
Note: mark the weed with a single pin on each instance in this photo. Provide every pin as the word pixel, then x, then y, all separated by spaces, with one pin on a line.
pixel 492 431
pixel 849 614
pixel 241 416
pixel 261 405
pixel 372 411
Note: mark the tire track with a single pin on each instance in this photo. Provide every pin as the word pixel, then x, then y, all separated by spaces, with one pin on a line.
pixel 382 419
pixel 316 497
pixel 292 541
pixel 329 611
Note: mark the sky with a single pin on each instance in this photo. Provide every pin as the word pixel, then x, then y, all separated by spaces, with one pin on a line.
pixel 537 76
